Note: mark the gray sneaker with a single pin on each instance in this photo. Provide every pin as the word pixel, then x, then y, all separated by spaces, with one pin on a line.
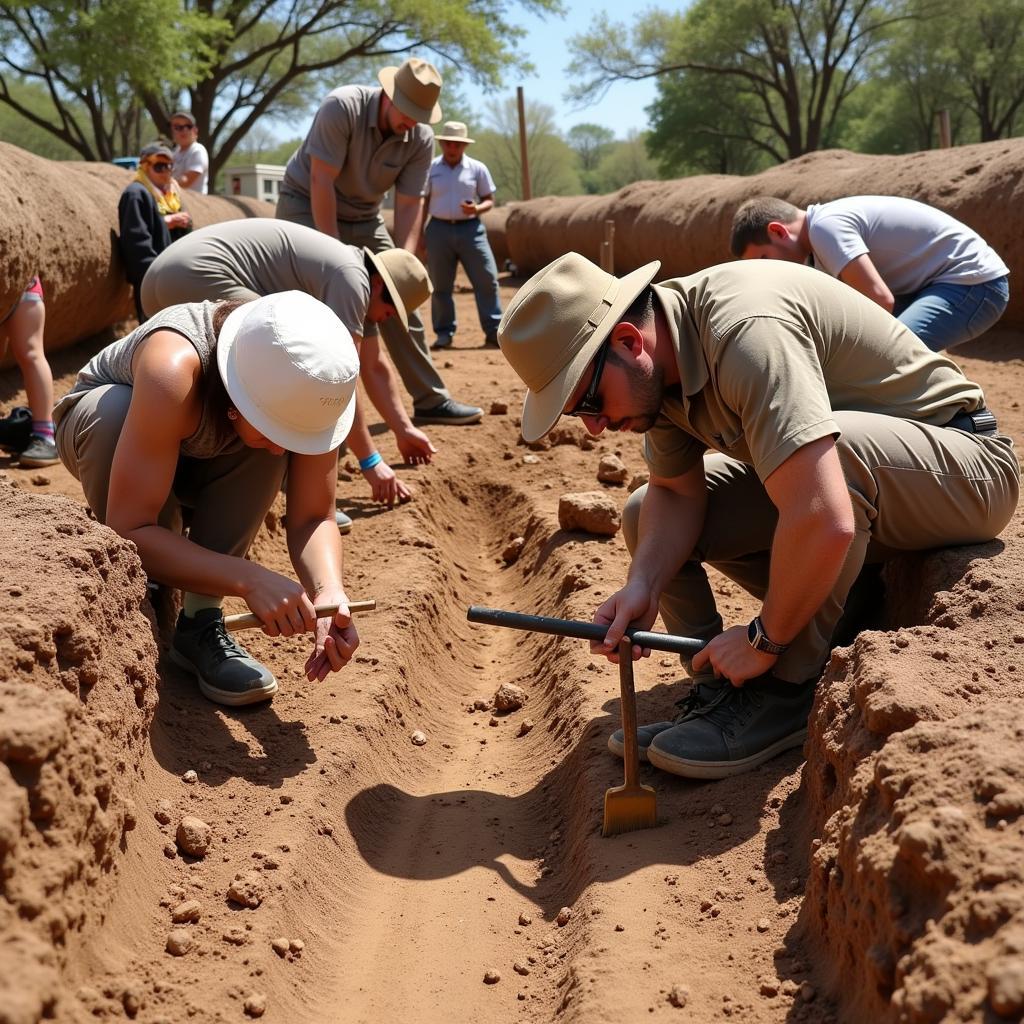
pixel 342 521
pixel 704 690
pixel 740 728
pixel 39 452
pixel 449 411
pixel 226 672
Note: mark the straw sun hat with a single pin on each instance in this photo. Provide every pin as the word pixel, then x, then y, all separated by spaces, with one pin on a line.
pixel 405 279
pixel 414 88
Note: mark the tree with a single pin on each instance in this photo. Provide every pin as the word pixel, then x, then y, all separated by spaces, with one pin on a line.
pixel 796 61
pixel 590 141
pixel 623 162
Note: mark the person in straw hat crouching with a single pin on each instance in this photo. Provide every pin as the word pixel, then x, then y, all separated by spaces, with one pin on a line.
pixel 459 190
pixel 364 141
pixel 833 436
pixel 243 259
pixel 196 416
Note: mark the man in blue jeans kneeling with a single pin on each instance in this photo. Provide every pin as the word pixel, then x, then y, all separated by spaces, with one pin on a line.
pixel 930 271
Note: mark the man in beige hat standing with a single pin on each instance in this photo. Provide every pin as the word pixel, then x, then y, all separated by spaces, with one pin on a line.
pixel 794 430
pixel 459 190
pixel 243 259
pixel 365 140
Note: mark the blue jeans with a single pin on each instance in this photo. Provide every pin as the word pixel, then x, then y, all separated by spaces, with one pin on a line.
pixel 447 246
pixel 942 315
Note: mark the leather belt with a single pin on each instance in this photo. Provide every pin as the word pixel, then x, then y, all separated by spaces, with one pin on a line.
pixel 449 220
pixel 980 422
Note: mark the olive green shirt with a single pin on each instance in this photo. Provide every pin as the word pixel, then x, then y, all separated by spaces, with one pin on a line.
pixel 767 351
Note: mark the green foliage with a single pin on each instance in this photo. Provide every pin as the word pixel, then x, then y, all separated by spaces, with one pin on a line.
pixel 590 143
pixel 622 163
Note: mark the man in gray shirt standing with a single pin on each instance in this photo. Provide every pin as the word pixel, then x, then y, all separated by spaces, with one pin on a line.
pixel 363 141
pixel 932 272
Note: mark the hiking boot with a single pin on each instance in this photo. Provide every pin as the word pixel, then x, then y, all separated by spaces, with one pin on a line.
pixel 344 523
pixel 41 451
pixel 740 728
pixel 16 430
pixel 705 688
pixel 442 341
pixel 226 672
pixel 449 411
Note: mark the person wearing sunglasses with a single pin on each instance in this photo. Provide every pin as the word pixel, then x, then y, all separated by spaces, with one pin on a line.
pixel 795 433
pixel 191 161
pixel 150 216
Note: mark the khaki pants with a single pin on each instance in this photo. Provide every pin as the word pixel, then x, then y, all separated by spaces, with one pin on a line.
pixel 408 352
pixel 224 499
pixel 912 486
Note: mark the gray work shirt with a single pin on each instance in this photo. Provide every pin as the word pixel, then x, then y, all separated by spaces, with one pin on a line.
pixel 345 134
pixel 912 245
pixel 448 187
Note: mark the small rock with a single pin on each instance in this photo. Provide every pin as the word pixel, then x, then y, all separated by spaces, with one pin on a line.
pixel 296 946
pixel 131 1000
pixel 279 946
pixel 40 479
pixel 769 989
pixel 509 697
pixel 188 912
pixel 525 920
pixel 530 460
pixel 164 812
pixel 494 722
pixel 807 992
pixel 190 777
pixel 170 851
pixel 1005 976
pixel 418 738
pixel 724 819
pixel 236 936
pixel 763 924
pixel 590 511
pixel 194 836
pixel 491 977
pixel 525 726
pixel 563 916
pixel 620 927
pixel 179 941
pixel 639 479
pixel 448 364
pixel 510 555
pixel 520 968
pixel 246 889
pixel 481 705
pixel 612 470
pixel 678 996
pixel 255 1004
pixel 499 408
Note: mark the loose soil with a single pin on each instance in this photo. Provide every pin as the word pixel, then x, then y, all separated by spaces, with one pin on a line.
pixel 399 881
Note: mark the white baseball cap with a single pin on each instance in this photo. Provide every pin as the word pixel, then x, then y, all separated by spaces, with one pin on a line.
pixel 290 366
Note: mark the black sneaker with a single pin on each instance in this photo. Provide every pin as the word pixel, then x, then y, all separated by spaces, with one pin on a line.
pixel 41 451
pixel 442 341
pixel 491 341
pixel 740 728
pixel 449 411
pixel 226 672
pixel 705 688
pixel 16 429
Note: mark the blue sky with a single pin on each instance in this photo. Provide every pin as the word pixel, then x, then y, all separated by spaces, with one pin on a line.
pixel 547 46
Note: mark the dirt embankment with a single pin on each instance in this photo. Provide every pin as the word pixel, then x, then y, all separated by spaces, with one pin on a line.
pixel 686 223
pixel 59 220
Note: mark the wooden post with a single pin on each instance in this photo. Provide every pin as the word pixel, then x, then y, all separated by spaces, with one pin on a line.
pixel 523 156
pixel 945 131
pixel 608 247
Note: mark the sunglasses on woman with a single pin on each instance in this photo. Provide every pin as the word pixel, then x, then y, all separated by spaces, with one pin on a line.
pixel 591 403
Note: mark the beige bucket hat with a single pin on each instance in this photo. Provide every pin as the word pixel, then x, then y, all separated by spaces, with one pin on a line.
pixel 453 131
pixel 414 88
pixel 405 279
pixel 289 366
pixel 555 325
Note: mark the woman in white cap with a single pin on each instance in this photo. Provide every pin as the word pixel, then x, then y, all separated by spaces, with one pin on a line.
pixel 196 416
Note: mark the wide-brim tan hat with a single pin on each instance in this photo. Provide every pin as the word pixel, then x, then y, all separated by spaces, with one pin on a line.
pixel 289 366
pixel 555 325
pixel 453 131
pixel 414 88
pixel 405 279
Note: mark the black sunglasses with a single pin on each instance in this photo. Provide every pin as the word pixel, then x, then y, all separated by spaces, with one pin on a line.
pixel 181 127
pixel 162 166
pixel 591 403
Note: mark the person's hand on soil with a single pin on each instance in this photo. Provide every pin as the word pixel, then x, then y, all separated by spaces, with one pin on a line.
pixel 280 603
pixel 386 487
pixel 633 605
pixel 416 448
pixel 336 639
pixel 732 657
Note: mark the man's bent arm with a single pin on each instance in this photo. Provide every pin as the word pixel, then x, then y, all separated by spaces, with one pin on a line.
pixel 861 273
pixel 322 199
pixel 408 221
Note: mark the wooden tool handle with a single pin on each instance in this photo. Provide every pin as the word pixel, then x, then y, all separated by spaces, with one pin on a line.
pixel 627 709
pixel 233 623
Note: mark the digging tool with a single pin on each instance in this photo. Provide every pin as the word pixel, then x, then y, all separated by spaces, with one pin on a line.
pixel 631 805
pixel 233 623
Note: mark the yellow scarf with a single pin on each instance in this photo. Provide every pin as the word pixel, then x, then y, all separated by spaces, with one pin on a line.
pixel 166 202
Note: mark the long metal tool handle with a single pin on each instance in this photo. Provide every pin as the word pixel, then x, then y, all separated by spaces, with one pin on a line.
pixel 581 630
pixel 232 623
pixel 627 710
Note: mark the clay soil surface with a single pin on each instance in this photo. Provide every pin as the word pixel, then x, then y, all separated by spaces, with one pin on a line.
pixel 403 878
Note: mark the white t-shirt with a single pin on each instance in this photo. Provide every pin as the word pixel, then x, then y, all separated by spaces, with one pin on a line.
pixel 911 244
pixel 193 158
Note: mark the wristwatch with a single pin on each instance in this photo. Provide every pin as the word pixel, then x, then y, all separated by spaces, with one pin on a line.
pixel 759 639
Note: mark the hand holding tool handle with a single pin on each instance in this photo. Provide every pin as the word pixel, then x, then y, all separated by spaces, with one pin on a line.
pixel 247 620
pixel 582 630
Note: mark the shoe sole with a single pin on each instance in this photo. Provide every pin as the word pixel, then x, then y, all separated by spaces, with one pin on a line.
pixel 454 421
pixel 226 697
pixel 36 463
pixel 619 749
pixel 721 769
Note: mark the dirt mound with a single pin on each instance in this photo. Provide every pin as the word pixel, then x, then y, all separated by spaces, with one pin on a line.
pixel 77 660
pixel 686 223
pixel 59 219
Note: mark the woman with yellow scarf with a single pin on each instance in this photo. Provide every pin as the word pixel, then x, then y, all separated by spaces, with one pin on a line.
pixel 151 216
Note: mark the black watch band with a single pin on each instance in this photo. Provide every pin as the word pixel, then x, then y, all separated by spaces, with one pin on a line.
pixel 759 639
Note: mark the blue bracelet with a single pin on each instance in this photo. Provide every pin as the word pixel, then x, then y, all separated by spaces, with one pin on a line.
pixel 370 461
